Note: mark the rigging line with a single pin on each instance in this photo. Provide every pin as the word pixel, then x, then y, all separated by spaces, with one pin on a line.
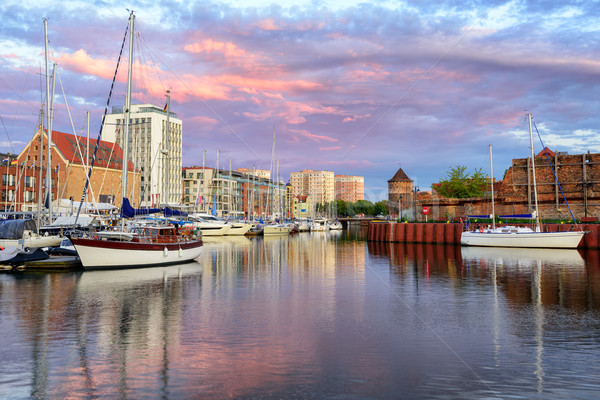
pixel 20 175
pixel 87 182
pixel 144 79
pixel 416 82
pixel 143 39
pixel 7 135
pixel 213 112
pixel 433 332
pixel 554 173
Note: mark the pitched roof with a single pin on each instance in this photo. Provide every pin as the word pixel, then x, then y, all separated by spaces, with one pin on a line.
pixel 73 149
pixel 400 176
pixel 544 151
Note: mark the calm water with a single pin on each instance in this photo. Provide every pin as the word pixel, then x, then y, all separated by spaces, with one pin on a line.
pixel 309 317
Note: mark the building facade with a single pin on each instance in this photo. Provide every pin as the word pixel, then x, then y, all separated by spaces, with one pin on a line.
pixel 349 188
pixel 319 185
pixel 154 150
pixel 233 193
pixel 400 192
pixel 302 207
pixel 70 157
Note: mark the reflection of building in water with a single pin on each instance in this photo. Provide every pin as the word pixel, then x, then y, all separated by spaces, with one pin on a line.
pixel 564 278
pixel 118 325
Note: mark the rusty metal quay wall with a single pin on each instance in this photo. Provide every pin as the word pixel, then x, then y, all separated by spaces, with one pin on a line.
pixel 450 233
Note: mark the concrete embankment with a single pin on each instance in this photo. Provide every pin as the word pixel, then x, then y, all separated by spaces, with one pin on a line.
pixel 450 233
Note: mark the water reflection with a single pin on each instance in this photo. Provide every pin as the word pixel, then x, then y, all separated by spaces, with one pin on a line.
pixel 558 277
pixel 321 315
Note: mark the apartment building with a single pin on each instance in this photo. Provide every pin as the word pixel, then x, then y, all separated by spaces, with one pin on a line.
pixel 349 188
pixel 319 185
pixel 154 150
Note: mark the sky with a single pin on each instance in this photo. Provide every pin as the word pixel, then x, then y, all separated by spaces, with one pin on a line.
pixel 354 87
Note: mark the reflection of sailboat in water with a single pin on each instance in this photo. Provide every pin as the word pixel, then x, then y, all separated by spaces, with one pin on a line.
pixel 523 257
pixel 117 279
pixel 113 320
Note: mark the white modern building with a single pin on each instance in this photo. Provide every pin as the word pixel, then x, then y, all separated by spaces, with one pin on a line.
pixel 156 156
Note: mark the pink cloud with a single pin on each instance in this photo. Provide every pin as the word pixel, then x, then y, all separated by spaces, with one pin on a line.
pixel 202 121
pixel 268 25
pixel 228 49
pixel 80 61
pixel 319 138
pixel 330 148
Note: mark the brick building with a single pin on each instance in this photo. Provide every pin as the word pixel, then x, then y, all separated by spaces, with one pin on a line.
pixel 319 185
pixel 70 155
pixel 349 188
pixel 399 192
pixel 578 175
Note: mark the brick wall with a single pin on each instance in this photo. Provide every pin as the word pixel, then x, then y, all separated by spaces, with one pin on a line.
pixel 579 177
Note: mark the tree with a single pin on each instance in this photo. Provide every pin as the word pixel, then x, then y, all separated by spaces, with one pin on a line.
pixel 381 207
pixel 342 208
pixel 458 184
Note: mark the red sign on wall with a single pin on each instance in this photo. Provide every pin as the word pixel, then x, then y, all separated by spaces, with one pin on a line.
pixel 425 210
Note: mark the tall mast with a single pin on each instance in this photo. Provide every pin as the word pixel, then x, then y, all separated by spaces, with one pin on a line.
pixel 87 151
pixel 48 117
pixel 49 158
pixel 535 196
pixel 492 188
pixel 166 150
pixel 125 142
pixel 203 181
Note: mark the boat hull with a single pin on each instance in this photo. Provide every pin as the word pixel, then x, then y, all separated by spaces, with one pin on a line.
pixel 238 229
pixel 104 254
pixel 276 230
pixel 555 240
pixel 32 242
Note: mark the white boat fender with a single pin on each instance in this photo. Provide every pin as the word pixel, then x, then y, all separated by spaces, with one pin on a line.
pixel 180 252
pixel 165 252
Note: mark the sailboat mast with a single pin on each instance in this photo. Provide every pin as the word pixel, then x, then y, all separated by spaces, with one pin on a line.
pixel 535 195
pixel 492 188
pixel 125 141
pixel 48 115
pixel 166 150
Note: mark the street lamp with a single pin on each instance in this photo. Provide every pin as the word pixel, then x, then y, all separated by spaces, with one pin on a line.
pixel 415 191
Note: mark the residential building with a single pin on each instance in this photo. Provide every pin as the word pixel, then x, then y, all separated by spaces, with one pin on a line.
pixel 302 207
pixel 156 156
pixel 319 185
pixel 261 173
pixel 349 188
pixel 234 193
pixel 70 156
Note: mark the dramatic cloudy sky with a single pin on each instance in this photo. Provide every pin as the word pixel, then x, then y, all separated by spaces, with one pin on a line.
pixel 354 87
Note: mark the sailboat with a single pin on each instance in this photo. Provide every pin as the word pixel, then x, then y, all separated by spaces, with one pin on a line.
pixel 145 245
pixel 276 228
pixel 513 236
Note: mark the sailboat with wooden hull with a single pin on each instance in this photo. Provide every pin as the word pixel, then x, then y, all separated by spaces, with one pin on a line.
pixel 513 236
pixel 144 245
pixel 149 246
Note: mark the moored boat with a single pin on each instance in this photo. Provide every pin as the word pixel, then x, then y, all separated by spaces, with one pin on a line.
pixel 152 245
pixel 513 236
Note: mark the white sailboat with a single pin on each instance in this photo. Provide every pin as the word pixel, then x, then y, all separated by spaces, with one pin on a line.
pixel 147 245
pixel 512 236
pixel 319 225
